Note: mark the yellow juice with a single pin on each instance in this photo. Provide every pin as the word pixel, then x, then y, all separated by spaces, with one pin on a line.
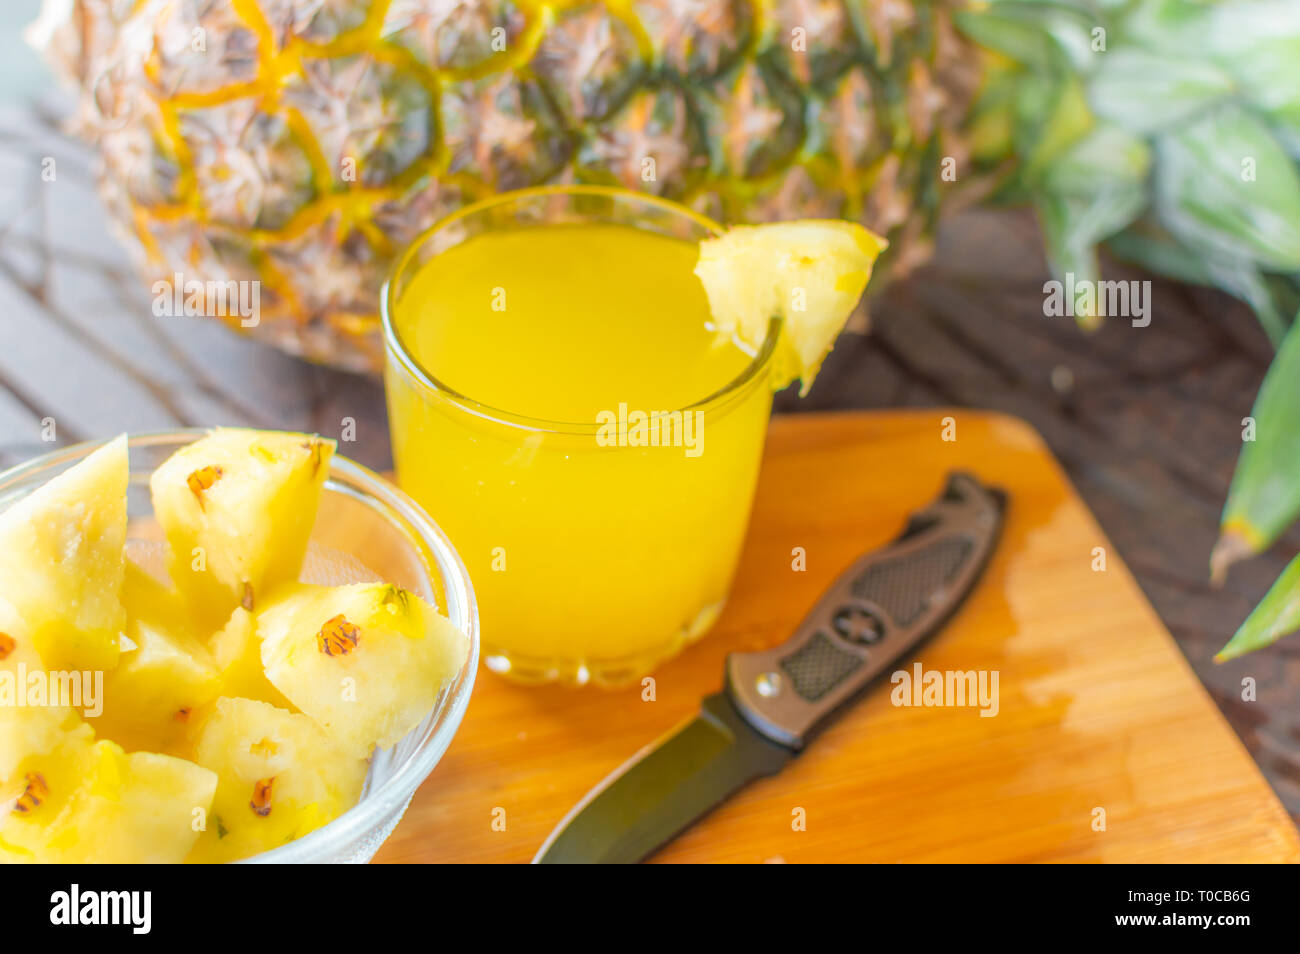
pixel 532 363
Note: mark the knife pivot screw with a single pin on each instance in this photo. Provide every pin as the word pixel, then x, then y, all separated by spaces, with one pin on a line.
pixel 858 625
pixel 768 684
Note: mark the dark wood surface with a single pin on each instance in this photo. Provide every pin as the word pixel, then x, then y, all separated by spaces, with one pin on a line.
pixel 1146 421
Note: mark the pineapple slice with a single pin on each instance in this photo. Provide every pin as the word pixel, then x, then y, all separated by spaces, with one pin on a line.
pixel 24 729
pixel 365 661
pixel 280 778
pixel 89 801
pixel 158 686
pixel 61 561
pixel 237 651
pixel 809 273
pixel 237 508
pixel 37 799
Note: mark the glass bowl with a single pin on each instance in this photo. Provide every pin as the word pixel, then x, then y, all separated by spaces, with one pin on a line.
pixel 363 520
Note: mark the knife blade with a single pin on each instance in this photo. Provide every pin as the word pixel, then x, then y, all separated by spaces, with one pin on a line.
pixel 775 701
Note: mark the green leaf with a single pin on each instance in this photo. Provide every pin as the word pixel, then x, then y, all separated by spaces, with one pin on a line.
pixel 1206 197
pixel 1149 245
pixel 1073 226
pixel 1145 92
pixel 1264 498
pixel 1277 614
pixel 1176 27
pixel 1087 194
pixel 1032 32
pixel 1242 280
pixel 1106 159
pixel 1053 119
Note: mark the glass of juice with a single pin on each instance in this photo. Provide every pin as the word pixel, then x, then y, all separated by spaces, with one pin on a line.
pixel 561 406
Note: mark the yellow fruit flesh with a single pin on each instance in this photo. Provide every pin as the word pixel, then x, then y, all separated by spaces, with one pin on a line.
pixel 365 662
pixel 237 652
pixel 158 686
pixel 280 779
pixel 25 729
pixel 61 561
pixel 83 798
pixel 91 802
pixel 237 508
pixel 808 273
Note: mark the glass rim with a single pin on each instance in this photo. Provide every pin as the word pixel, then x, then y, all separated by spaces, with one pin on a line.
pixel 396 348
pixel 351 478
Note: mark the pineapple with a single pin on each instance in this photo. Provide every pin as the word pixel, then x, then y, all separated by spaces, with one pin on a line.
pixel 280 778
pixel 88 801
pixel 196 735
pixel 237 508
pixel 365 661
pixel 810 274
pixel 302 144
pixel 61 563
pixel 237 652
pixel 24 729
pixel 160 684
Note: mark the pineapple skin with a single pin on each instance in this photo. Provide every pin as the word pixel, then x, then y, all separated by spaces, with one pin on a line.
pixel 306 143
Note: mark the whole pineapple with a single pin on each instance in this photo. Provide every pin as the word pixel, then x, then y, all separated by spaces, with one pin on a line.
pixel 302 143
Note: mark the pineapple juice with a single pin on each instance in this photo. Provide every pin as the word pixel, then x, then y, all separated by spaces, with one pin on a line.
pixel 600 536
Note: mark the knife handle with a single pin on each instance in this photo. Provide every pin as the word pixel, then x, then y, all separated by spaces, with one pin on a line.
pixel 875 613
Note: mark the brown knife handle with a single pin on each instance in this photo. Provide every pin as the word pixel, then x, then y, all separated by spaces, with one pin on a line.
pixel 878 611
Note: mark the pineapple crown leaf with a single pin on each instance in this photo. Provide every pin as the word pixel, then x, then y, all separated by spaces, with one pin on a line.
pixel 1277 615
pixel 1156 113
pixel 1264 498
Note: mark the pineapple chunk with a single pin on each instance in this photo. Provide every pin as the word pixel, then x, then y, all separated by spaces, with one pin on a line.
pixel 89 801
pixel 156 688
pixel 237 508
pixel 365 661
pixel 61 561
pixel 809 273
pixel 24 729
pixel 280 778
pixel 237 651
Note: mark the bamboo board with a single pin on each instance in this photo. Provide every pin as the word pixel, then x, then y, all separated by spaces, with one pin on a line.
pixel 1098 708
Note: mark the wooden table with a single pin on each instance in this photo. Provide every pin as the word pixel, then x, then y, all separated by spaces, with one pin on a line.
pixel 1145 421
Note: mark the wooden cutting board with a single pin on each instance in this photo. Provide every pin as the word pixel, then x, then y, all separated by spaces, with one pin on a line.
pixel 1098 712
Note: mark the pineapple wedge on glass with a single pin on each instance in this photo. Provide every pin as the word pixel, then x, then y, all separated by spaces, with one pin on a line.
pixel 61 562
pixel 237 508
pixel 808 273
pixel 365 661
pixel 280 777
pixel 90 802
pixel 159 684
